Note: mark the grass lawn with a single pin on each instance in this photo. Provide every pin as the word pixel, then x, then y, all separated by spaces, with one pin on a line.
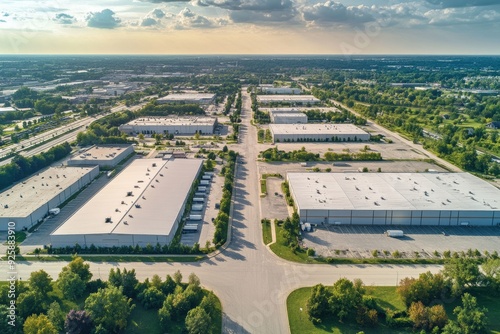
pixel 387 298
pixel 263 187
pixel 20 237
pixel 266 232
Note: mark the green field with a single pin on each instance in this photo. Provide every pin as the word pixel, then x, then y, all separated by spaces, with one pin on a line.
pixel 387 298
pixel 112 258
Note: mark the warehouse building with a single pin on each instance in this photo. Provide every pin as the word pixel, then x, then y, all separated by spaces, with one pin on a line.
pixel 182 125
pixel 101 155
pixel 288 118
pixel 288 99
pixel 189 98
pixel 443 199
pixel 142 205
pixel 29 201
pixel 270 89
pixel 317 132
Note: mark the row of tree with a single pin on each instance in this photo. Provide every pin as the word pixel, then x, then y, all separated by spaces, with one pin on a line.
pixel 50 307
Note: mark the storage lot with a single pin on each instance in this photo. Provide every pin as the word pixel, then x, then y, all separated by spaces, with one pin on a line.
pixel 362 240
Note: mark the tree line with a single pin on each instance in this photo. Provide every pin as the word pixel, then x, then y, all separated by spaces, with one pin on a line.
pixel 49 306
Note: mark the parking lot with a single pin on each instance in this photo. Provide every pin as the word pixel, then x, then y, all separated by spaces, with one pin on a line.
pixel 206 228
pixel 360 241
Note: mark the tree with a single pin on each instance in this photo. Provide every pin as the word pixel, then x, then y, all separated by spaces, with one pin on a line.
pixel 491 270
pixel 345 299
pixel 164 315
pixel 40 282
pixel 79 267
pixel 198 321
pixel 56 316
pixel 126 279
pixel 109 308
pixel 5 318
pixel 463 272
pixel 177 277
pixel 471 319
pixel 30 302
pixel 152 297
pixel 39 324
pixel 78 322
pixel 426 288
pixel 70 284
pixel 210 304
pixel 318 303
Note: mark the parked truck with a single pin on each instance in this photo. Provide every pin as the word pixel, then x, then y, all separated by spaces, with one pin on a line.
pixel 54 211
pixel 395 233
pixel 195 217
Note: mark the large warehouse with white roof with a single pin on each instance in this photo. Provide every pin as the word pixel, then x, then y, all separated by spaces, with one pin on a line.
pixel 196 98
pixel 102 155
pixel 142 205
pixel 185 125
pixel 444 199
pixel 29 201
pixel 317 132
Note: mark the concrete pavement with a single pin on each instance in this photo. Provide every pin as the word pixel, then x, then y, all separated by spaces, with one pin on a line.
pixel 251 282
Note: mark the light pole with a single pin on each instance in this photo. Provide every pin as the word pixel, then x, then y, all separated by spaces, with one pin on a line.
pixel 300 313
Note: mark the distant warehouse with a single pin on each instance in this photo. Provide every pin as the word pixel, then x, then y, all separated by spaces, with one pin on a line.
pixel 174 125
pixel 188 98
pixel 288 99
pixel 142 205
pixel 102 155
pixel 288 118
pixel 443 199
pixel 317 132
pixel 29 201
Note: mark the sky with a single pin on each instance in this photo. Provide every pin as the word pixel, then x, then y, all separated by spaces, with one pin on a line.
pixel 250 27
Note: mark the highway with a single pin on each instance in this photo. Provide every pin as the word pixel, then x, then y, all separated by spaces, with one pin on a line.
pixel 251 281
pixel 67 133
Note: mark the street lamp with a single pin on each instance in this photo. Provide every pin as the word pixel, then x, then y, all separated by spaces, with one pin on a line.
pixel 300 313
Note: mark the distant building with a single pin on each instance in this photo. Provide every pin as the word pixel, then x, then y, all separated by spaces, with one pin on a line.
pixel 172 125
pixel 288 99
pixel 4 110
pixel 101 155
pixel 317 132
pixel 280 90
pixel 288 118
pixel 190 98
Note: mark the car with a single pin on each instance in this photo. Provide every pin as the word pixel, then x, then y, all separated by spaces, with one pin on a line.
pixel 217 205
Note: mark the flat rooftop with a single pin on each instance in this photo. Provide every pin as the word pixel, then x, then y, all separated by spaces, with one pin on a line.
pixel 286 98
pixel 290 115
pixel 313 128
pixel 187 96
pixel 173 121
pixel 30 194
pixel 103 152
pixel 393 191
pixel 158 190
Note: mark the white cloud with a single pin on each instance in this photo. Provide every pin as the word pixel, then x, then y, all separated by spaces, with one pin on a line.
pixel 335 13
pixel 63 18
pixel 104 19
pixel 188 19
pixel 462 3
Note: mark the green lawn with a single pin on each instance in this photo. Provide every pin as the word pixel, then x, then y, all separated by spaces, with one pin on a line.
pixel 387 298
pixel 266 232
pixel 263 187
pixel 20 237
pixel 112 258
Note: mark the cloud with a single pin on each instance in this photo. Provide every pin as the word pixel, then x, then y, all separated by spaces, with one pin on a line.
pixel 3 21
pixel 158 13
pixel 5 14
pixel 187 19
pixel 149 22
pixel 104 19
pixel 331 13
pixel 63 18
pixel 456 16
pixel 165 1
pixel 462 3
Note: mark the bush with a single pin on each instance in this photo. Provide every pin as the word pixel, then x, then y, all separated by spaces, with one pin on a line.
pixel 310 252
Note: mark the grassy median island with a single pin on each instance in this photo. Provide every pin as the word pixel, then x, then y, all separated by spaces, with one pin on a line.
pixel 267 234
pixel 387 298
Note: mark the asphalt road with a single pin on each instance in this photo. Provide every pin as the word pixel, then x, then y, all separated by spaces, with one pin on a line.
pixel 251 282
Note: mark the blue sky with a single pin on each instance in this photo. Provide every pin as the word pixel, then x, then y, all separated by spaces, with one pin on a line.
pixel 251 26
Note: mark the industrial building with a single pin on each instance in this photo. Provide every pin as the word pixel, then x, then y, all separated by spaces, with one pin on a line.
pixel 29 201
pixel 288 118
pixel 101 155
pixel 184 125
pixel 288 99
pixel 443 199
pixel 189 98
pixel 317 132
pixel 142 205
pixel 270 89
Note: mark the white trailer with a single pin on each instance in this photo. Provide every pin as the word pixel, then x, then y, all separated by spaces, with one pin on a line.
pixel 54 211
pixel 195 217
pixel 202 189
pixel 200 194
pixel 198 200
pixel 204 182
pixel 206 177
pixel 395 233
pixel 197 207
pixel 190 229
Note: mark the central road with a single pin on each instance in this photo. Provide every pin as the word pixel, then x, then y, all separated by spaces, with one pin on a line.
pixel 251 282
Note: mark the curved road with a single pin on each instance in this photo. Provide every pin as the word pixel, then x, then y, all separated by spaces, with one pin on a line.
pixel 251 282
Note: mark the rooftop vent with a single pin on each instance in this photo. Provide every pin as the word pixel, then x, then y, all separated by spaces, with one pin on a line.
pixel 129 193
pixel 107 220
pixel 138 206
